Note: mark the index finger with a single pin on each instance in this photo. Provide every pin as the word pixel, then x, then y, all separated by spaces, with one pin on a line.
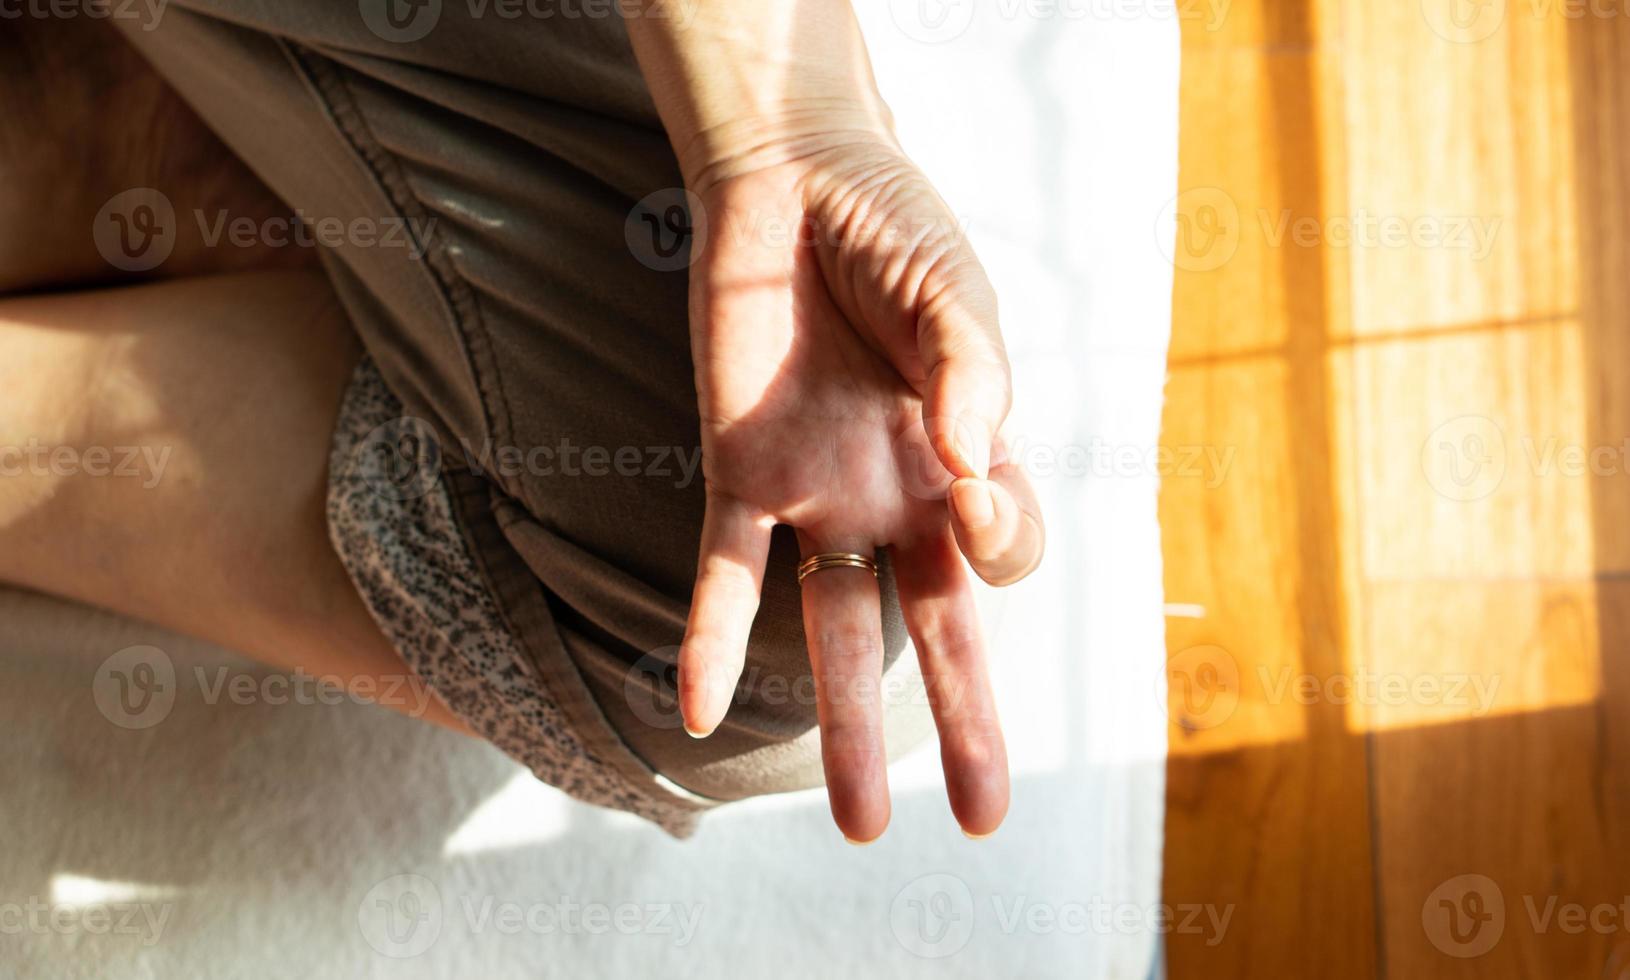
pixel 729 577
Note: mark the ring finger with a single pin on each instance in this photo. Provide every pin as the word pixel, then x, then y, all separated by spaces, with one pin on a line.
pixel 843 624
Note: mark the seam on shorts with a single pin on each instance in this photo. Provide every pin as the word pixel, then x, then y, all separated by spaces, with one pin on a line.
pixel 331 90
pixel 516 591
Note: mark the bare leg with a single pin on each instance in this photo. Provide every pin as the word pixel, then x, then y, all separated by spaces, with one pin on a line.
pixel 84 119
pixel 227 389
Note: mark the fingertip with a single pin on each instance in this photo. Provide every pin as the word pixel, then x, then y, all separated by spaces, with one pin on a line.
pixel 859 798
pixel 862 829
pixel 980 813
pixel 1007 547
pixel 987 519
pixel 700 717
pixel 698 702
pixel 977 782
pixel 693 725
pixel 973 503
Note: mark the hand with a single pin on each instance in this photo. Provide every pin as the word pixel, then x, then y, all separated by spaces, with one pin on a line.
pixel 853 384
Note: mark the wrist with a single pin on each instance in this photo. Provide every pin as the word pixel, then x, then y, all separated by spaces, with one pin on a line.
pixel 743 84
pixel 770 136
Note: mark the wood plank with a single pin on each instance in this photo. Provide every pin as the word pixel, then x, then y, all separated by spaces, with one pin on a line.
pixel 1267 798
pixel 1429 497
pixel 1476 382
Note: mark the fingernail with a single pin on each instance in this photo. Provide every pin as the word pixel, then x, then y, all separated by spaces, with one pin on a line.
pixel 860 843
pixel 977 836
pixel 973 503
pixel 693 733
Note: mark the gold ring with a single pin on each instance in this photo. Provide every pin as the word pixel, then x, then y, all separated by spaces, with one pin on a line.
pixel 834 559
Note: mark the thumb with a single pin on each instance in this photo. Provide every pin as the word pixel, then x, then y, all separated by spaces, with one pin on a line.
pixel 970 387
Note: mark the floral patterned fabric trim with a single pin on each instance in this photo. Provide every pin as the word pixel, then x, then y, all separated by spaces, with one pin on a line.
pixel 391 520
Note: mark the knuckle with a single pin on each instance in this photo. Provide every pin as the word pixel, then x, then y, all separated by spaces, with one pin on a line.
pixel 856 745
pixel 848 648
pixel 975 748
pixel 945 647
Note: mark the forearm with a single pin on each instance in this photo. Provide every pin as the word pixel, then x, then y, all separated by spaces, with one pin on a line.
pixel 746 84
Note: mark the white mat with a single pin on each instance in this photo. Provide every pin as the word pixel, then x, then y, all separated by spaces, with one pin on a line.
pixel 258 840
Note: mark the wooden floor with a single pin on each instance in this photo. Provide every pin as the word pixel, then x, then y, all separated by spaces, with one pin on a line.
pixel 1400 631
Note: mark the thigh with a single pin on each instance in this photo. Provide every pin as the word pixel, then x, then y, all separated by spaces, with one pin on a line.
pixel 88 122
pixel 163 454
pixel 527 322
